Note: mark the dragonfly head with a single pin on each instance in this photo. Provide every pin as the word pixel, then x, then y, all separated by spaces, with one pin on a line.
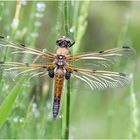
pixel 64 42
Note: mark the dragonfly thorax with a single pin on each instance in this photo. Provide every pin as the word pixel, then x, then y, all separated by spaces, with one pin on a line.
pixel 60 61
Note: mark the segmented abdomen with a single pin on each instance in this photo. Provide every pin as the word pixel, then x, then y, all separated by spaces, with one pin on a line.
pixel 58 87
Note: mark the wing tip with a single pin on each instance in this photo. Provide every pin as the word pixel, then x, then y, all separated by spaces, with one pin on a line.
pixel 129 50
pixel 126 47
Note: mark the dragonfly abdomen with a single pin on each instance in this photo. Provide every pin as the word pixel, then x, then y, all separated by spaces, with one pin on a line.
pixel 56 106
pixel 58 87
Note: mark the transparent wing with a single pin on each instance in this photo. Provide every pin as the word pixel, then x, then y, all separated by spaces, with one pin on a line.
pixel 16 51
pixel 15 69
pixel 102 59
pixel 100 79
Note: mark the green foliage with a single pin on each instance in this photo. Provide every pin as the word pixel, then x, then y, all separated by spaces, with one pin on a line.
pixel 6 106
pixel 81 23
pixel 134 113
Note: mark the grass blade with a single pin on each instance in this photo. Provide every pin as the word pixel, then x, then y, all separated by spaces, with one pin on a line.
pixel 6 106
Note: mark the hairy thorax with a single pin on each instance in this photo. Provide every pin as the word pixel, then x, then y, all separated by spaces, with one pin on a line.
pixel 62 55
pixel 62 51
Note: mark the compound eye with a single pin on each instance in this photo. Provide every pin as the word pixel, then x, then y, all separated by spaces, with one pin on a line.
pixel 68 43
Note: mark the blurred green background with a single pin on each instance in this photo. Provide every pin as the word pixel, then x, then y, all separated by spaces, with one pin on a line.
pixel 111 113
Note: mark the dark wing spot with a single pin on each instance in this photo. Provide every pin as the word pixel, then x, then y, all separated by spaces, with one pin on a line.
pixel 68 74
pixel 44 67
pixel 2 37
pixel 51 73
pixel 122 74
pixel 126 47
pixel 75 70
pixel 94 70
pixel 22 45
pixel 1 62
pixel 101 51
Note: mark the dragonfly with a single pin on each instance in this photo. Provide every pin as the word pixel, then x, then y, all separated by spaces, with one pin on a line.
pixel 61 66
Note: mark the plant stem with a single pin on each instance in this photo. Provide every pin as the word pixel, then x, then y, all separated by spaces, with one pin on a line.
pixel 67 119
pixel 66 30
pixel 66 135
pixel 134 113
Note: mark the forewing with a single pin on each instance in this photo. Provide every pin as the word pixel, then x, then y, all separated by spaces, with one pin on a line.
pixel 100 79
pixel 102 59
pixel 14 51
